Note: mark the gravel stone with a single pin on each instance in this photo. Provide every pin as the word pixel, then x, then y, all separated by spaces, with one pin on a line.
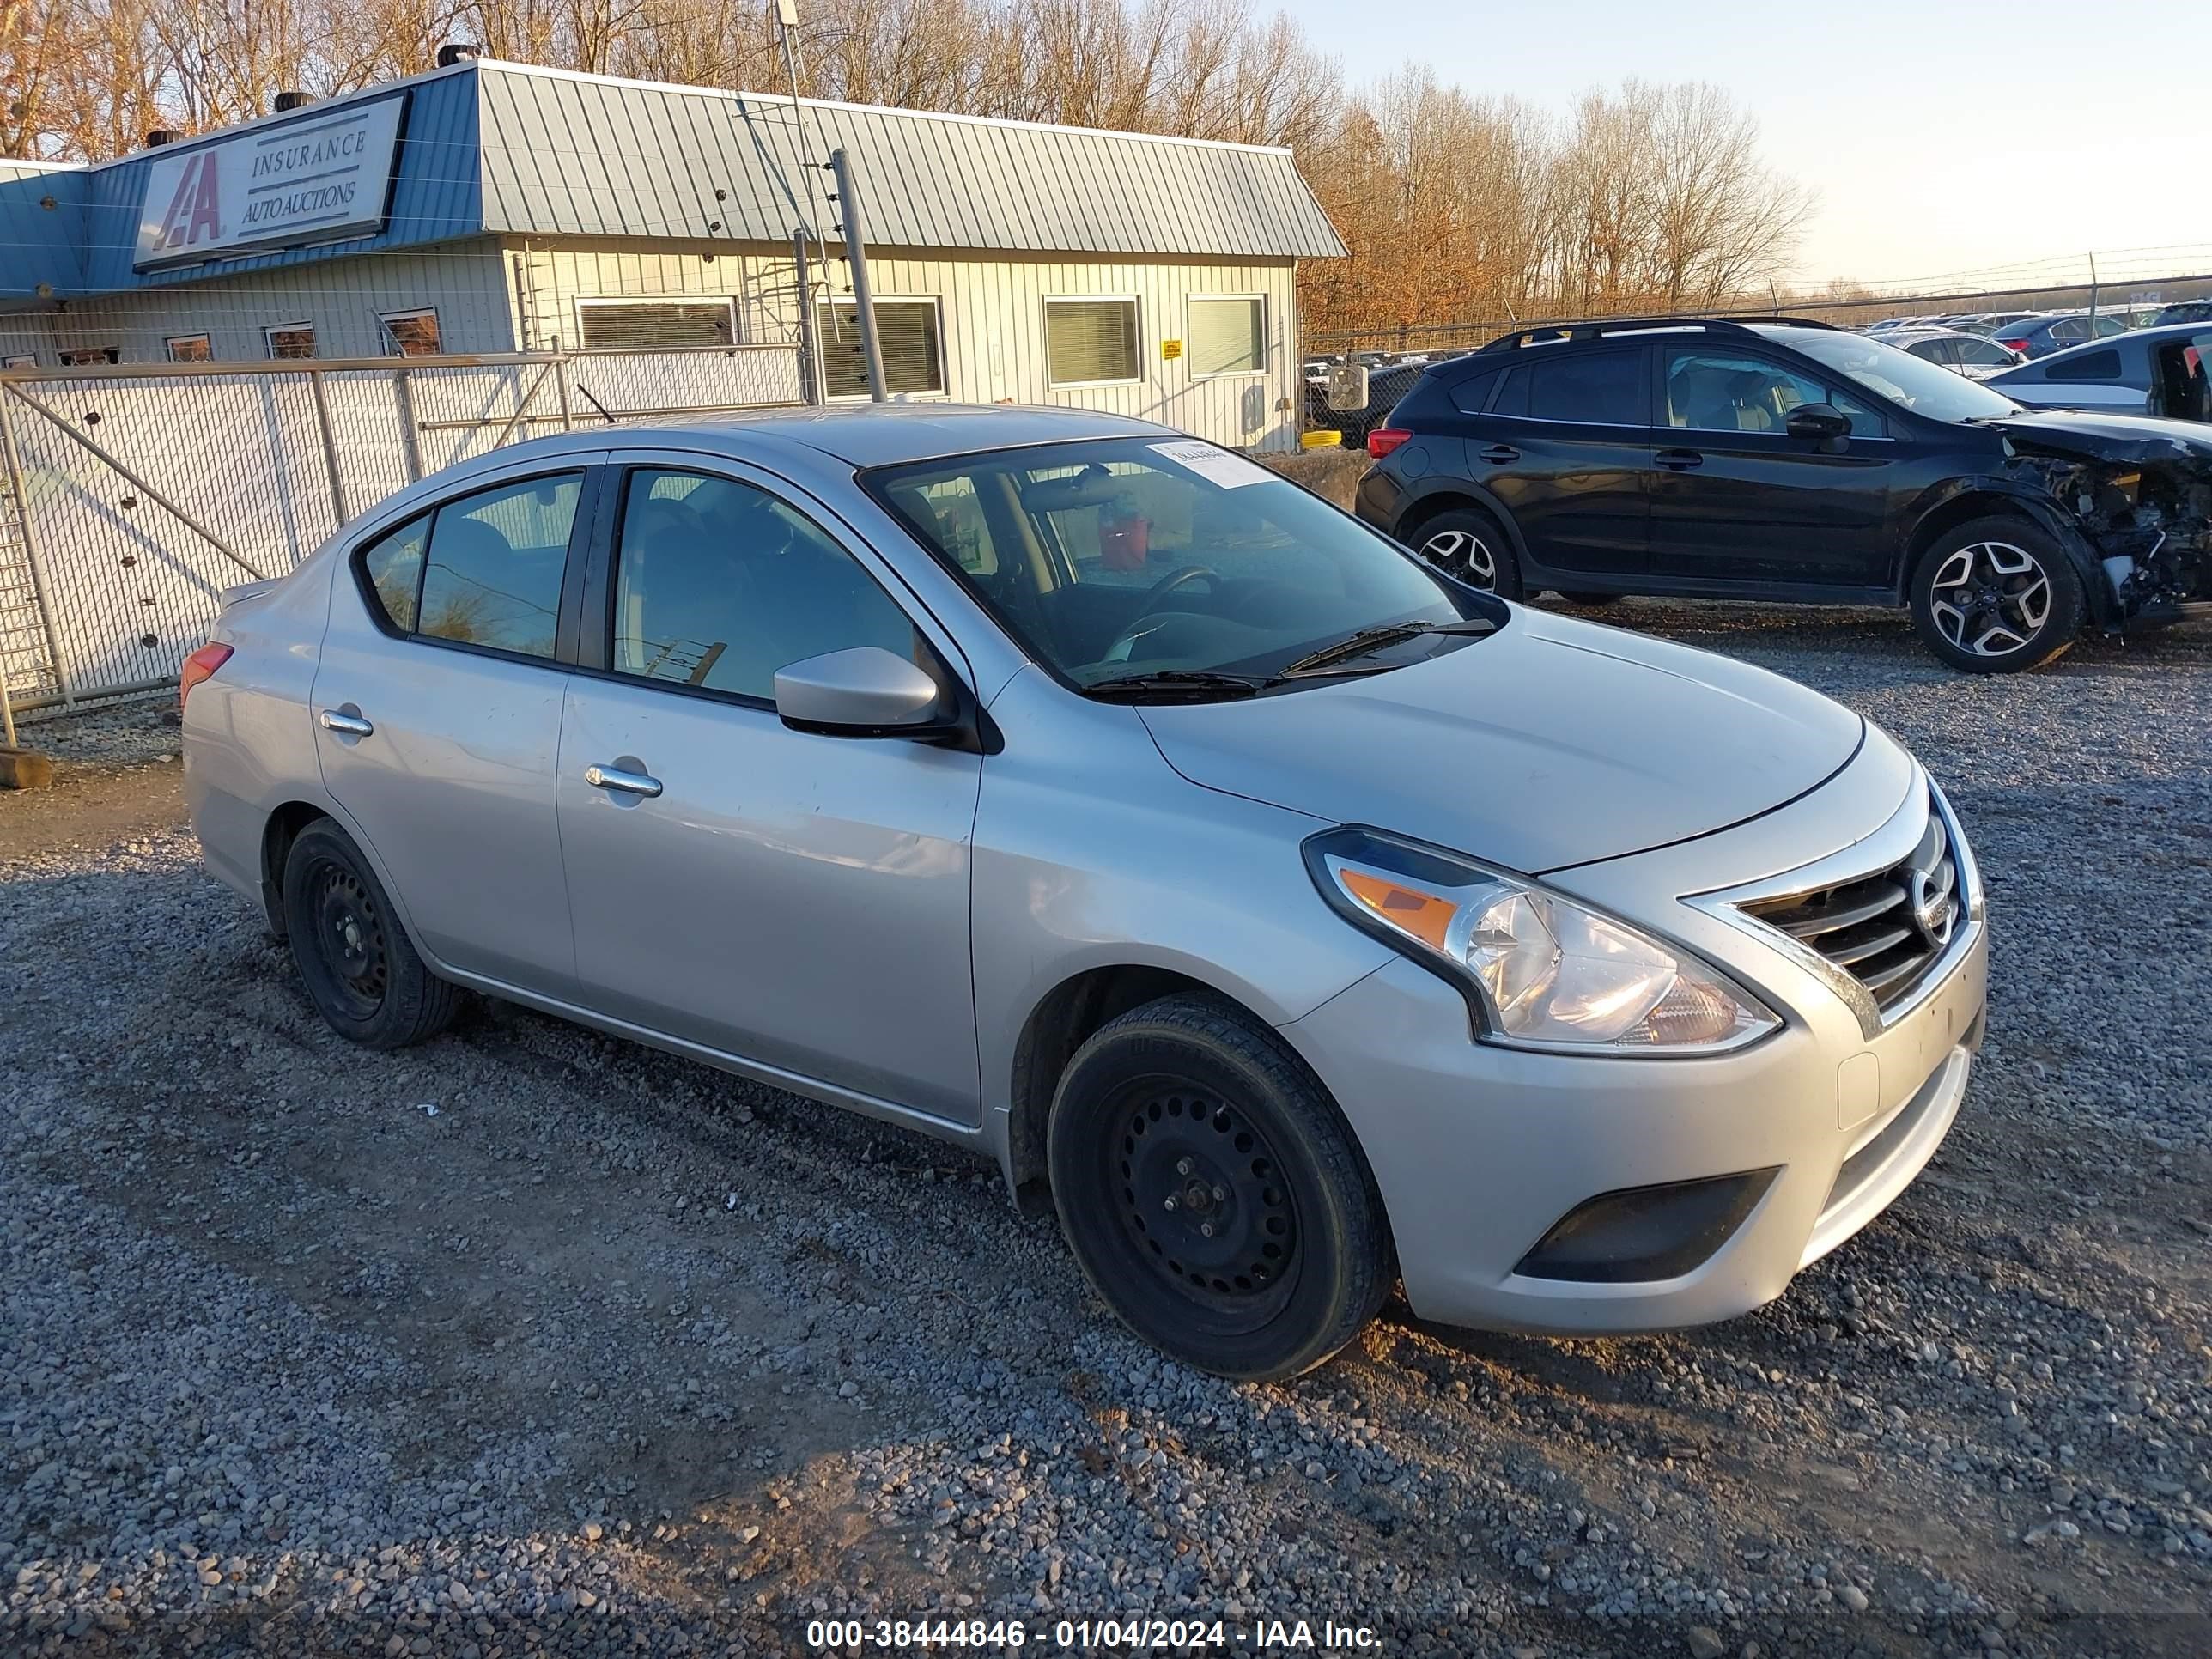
pixel 615 1354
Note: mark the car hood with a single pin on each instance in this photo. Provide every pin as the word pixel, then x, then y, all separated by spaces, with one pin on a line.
pixel 1550 742
pixel 2129 439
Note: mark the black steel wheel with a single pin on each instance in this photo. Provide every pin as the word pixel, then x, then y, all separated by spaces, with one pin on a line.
pixel 353 955
pixel 1212 1193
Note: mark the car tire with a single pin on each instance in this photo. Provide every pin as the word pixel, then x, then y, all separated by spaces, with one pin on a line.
pixel 1996 595
pixel 1212 1193
pixel 361 971
pixel 1468 544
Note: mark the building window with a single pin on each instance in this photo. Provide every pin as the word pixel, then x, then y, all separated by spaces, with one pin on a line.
pixel 656 325
pixel 290 339
pixel 189 348
pixel 86 355
pixel 1228 334
pixel 1090 341
pixel 913 357
pixel 28 359
pixel 411 333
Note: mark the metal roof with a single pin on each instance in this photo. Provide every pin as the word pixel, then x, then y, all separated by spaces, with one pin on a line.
pixel 511 150
pixel 576 154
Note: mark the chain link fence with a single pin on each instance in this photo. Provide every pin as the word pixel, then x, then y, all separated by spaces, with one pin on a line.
pixel 135 494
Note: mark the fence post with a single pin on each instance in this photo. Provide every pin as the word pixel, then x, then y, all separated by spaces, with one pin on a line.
pixel 561 384
pixel 330 449
pixel 410 434
pixel 31 555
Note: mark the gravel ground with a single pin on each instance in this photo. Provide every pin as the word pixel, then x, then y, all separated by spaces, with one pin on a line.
pixel 531 1341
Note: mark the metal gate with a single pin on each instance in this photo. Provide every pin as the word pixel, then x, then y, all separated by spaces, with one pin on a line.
pixel 135 494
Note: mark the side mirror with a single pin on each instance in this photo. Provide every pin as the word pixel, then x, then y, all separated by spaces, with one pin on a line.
pixel 1823 423
pixel 865 692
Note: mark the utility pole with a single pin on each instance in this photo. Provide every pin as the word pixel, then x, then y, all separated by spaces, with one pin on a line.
pixel 856 255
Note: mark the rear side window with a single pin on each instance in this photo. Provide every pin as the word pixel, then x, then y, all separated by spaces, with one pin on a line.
pixel 1472 395
pixel 394 568
pixel 484 570
pixel 1597 388
pixel 2090 366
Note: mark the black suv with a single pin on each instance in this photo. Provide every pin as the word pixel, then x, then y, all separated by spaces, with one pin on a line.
pixel 1791 460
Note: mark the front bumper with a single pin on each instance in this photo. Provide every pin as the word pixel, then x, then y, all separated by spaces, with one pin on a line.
pixel 1479 1150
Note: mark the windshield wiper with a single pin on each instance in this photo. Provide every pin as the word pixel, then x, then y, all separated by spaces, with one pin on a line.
pixel 1169 682
pixel 1374 638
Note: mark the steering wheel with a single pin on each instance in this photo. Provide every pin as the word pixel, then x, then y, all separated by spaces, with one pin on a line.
pixel 1169 583
pixel 1158 592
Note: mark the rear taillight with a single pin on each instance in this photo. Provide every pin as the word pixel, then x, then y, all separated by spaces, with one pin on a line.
pixel 2019 345
pixel 1384 439
pixel 200 665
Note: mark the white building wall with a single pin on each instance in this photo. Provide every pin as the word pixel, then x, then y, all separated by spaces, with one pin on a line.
pixel 991 322
pixel 342 298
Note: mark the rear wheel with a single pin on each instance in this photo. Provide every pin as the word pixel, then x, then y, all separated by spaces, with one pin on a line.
pixel 1468 544
pixel 354 958
pixel 1995 595
pixel 1214 1195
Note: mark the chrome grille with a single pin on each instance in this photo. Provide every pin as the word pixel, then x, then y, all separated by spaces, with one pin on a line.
pixel 1886 930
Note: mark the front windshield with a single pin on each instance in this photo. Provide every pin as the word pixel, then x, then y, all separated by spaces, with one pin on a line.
pixel 1925 388
pixel 1129 557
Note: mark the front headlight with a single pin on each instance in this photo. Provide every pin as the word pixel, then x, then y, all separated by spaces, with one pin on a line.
pixel 1541 971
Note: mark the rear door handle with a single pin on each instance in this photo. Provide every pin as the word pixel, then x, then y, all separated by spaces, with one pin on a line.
pixel 1679 460
pixel 627 783
pixel 349 725
pixel 1500 453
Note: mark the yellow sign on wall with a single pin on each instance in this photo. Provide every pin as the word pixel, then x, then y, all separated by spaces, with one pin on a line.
pixel 1171 348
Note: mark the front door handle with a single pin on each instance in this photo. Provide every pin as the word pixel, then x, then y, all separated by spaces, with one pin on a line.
pixel 628 783
pixel 1498 454
pixel 1679 460
pixel 345 725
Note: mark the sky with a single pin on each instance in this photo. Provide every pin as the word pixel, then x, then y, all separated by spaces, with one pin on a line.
pixel 1945 138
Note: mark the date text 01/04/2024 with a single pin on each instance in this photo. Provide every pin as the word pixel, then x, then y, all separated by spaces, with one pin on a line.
pixel 1136 1635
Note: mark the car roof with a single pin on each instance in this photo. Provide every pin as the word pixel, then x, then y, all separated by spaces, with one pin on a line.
pixel 861 435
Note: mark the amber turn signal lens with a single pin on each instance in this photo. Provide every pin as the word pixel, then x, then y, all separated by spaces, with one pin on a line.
pixel 1409 909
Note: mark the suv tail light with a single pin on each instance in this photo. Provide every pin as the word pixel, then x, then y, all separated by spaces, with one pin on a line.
pixel 2018 344
pixel 1384 439
pixel 200 665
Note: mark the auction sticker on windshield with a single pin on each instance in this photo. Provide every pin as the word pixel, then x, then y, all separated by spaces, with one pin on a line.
pixel 1219 466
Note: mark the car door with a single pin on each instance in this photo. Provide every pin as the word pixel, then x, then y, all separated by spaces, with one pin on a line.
pixel 1737 500
pixel 437 705
pixel 1565 446
pixel 797 900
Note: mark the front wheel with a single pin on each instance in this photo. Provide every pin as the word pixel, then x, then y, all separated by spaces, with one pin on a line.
pixel 1469 545
pixel 1996 595
pixel 1214 1195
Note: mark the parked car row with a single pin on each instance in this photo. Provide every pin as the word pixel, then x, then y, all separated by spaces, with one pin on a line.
pixel 1791 460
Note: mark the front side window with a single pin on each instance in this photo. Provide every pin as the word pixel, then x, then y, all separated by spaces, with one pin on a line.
pixel 1090 341
pixel 290 339
pixel 491 574
pixel 656 325
pixel 1734 391
pixel 1129 557
pixel 1982 353
pixel 718 584
pixel 1596 388
pixel 1228 336
pixel 914 359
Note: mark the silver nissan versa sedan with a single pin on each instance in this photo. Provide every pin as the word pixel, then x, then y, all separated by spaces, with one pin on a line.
pixel 1292 921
